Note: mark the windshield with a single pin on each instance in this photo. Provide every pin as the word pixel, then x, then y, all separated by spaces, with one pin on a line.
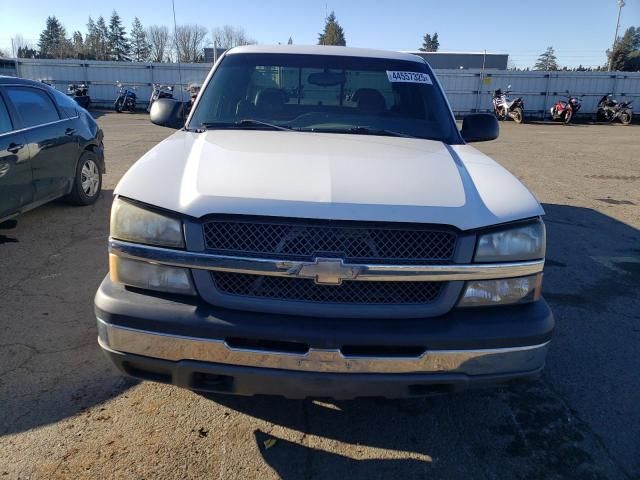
pixel 322 93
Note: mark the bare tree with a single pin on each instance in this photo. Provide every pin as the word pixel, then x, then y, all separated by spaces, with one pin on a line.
pixel 189 41
pixel 229 36
pixel 158 38
pixel 19 44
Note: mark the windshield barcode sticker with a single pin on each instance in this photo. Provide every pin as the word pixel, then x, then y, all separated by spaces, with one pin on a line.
pixel 409 77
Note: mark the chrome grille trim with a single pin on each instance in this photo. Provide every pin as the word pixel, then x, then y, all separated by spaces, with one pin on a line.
pixel 305 239
pixel 293 269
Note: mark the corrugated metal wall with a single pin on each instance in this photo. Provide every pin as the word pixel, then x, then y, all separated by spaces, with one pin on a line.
pixel 468 90
pixel 102 77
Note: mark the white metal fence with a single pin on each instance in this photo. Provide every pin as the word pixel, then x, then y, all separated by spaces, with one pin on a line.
pixel 102 77
pixel 467 90
pixel 471 90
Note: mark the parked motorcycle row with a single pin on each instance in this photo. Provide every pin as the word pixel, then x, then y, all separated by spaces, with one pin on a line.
pixel 127 96
pixel 505 108
pixel 159 91
pixel 80 93
pixel 126 99
pixel 609 109
pixel 563 110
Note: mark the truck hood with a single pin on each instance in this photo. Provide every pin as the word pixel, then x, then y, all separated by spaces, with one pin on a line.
pixel 328 176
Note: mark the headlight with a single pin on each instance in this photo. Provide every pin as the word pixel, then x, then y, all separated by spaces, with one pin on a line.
pixel 150 276
pixel 135 224
pixel 526 242
pixel 502 292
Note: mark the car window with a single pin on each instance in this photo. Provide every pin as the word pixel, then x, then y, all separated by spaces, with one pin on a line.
pixel 33 105
pixel 327 93
pixel 66 104
pixel 5 120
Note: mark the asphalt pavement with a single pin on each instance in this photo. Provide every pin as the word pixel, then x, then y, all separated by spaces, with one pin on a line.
pixel 65 412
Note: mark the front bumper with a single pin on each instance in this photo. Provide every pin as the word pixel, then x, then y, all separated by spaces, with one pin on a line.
pixel 192 344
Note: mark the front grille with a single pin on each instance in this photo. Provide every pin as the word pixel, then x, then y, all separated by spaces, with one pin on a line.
pixel 306 240
pixel 306 290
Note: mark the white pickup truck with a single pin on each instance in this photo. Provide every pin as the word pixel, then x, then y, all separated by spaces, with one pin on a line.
pixel 319 227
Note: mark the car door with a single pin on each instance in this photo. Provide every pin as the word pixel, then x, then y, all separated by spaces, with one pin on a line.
pixel 16 187
pixel 51 137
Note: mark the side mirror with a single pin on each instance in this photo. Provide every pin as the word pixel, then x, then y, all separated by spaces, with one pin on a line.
pixel 480 127
pixel 167 112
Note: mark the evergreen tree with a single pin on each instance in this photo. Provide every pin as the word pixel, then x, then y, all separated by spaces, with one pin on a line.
pixel 27 52
pixel 102 39
pixel 78 44
pixel 140 48
pixel 633 62
pixel 426 43
pixel 547 61
pixel 435 44
pixel 91 40
pixel 626 49
pixel 53 41
pixel 290 42
pixel 430 43
pixel 118 43
pixel 333 33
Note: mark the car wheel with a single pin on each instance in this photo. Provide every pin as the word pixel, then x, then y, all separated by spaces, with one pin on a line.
pixel 87 183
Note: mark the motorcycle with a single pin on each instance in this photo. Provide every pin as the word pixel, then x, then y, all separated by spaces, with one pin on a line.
pixel 193 89
pixel 565 110
pixel 503 107
pixel 79 92
pixel 609 109
pixel 160 91
pixel 126 98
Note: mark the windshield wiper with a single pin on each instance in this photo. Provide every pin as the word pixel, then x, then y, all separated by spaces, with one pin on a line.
pixel 378 131
pixel 358 131
pixel 248 122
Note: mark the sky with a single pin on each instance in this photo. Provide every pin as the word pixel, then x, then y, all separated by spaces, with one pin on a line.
pixel 579 30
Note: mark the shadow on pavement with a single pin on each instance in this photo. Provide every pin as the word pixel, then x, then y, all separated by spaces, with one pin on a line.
pixel 529 428
pixel 50 365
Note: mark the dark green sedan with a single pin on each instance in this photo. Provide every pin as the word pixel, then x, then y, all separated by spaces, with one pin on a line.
pixel 50 147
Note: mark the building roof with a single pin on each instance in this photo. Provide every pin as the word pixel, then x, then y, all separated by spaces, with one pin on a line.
pixel 326 50
pixel 420 52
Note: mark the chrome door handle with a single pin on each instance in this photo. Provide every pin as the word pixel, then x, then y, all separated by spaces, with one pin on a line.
pixel 15 147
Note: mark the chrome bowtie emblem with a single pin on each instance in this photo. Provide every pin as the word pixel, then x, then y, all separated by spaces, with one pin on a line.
pixel 328 271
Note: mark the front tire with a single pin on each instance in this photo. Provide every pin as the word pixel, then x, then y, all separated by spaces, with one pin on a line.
pixel 118 105
pixel 625 117
pixel 517 115
pixel 567 117
pixel 87 182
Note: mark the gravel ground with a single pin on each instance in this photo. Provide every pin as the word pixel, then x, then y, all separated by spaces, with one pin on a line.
pixel 66 413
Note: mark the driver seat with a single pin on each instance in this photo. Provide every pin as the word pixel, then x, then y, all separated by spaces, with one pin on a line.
pixel 369 100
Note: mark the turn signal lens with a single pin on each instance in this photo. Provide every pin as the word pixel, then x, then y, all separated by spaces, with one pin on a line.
pixel 506 291
pixel 150 276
